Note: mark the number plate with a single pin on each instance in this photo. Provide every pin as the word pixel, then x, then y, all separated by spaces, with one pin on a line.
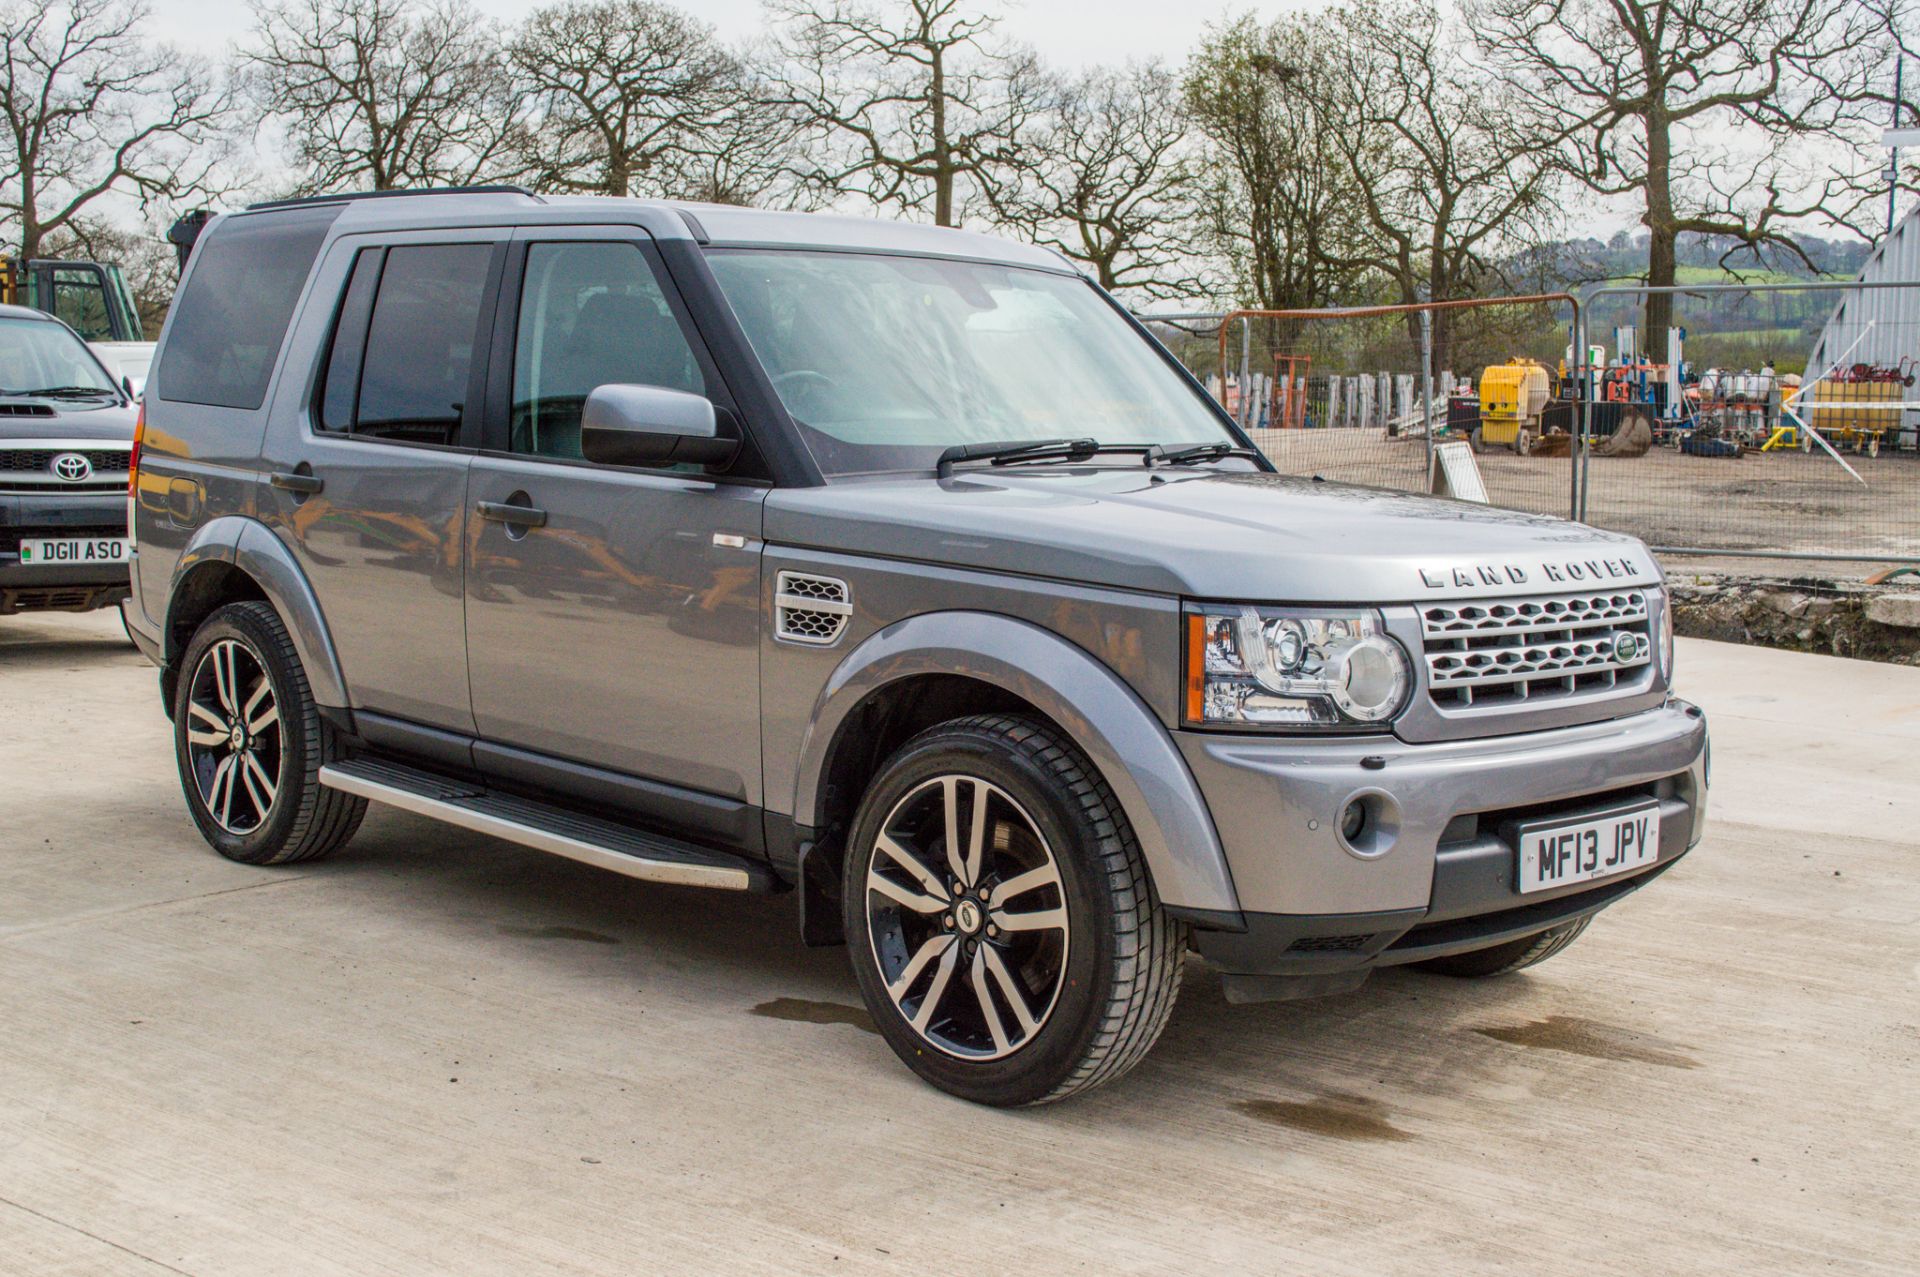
pixel 1580 851
pixel 69 551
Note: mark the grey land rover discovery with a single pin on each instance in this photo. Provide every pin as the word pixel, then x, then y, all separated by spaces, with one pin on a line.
pixel 896 567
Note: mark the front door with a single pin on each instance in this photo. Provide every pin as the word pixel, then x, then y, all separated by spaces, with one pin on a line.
pixel 618 627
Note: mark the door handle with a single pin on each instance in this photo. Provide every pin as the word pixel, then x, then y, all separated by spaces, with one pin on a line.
pixel 519 516
pixel 294 481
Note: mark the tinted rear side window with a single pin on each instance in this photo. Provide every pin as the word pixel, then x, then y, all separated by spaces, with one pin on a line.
pixel 234 311
pixel 341 389
pixel 420 341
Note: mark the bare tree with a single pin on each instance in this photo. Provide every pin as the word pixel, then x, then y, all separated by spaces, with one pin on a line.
pixel 94 107
pixel 1281 206
pixel 1112 180
pixel 384 93
pixel 1451 170
pixel 914 104
pixel 749 158
pixel 635 96
pixel 1880 97
pixel 1704 112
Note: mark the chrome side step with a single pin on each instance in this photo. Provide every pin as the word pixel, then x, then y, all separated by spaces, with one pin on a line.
pixel 588 839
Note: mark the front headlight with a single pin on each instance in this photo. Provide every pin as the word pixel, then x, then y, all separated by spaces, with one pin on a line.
pixel 1293 668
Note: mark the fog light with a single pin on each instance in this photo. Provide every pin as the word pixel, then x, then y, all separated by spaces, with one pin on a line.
pixel 1369 824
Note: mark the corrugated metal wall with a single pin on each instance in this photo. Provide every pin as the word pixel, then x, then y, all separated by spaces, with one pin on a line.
pixel 1891 312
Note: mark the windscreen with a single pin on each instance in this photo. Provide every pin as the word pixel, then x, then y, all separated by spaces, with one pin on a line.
pixel 887 361
pixel 37 356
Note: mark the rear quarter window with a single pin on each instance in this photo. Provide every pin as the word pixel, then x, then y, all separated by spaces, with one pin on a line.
pixel 238 301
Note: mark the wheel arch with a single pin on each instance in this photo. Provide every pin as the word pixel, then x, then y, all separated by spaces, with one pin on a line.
pixel 943 665
pixel 235 558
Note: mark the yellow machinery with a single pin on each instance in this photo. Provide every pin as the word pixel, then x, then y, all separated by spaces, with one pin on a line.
pixel 1850 423
pixel 1512 397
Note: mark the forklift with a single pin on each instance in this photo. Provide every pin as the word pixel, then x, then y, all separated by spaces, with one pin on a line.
pixel 91 297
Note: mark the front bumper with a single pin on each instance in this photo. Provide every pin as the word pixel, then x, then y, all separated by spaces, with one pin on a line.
pixel 66 587
pixel 1314 910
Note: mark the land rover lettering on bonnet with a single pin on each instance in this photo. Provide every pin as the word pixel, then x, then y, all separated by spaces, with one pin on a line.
pixel 1476 576
pixel 659 537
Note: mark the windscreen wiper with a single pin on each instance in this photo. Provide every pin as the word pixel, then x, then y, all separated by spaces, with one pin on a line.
pixel 1203 452
pixel 64 392
pixel 1003 453
pixel 1041 450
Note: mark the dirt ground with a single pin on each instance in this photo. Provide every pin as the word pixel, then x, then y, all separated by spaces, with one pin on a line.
pixel 1762 501
pixel 437 1053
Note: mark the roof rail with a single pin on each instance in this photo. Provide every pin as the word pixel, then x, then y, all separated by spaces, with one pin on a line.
pixel 500 189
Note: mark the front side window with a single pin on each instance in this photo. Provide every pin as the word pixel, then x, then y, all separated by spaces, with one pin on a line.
pixel 37 357
pixel 886 361
pixel 592 313
pixel 402 351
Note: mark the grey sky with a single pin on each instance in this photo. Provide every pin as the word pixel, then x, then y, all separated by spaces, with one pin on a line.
pixel 1069 34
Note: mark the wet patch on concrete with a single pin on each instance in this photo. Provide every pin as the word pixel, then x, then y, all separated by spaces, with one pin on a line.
pixel 560 933
pixel 1592 1039
pixel 807 1011
pixel 1333 1115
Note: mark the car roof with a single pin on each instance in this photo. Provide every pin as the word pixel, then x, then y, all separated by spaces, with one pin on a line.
pixel 718 225
pixel 24 312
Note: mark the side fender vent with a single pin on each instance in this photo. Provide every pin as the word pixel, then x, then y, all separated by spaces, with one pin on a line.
pixel 810 609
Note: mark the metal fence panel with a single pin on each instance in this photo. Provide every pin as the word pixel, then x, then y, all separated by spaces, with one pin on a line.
pixel 1762 452
pixel 1736 457
pixel 1361 395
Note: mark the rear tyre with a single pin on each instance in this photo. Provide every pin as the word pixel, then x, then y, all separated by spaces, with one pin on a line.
pixel 1503 959
pixel 250 744
pixel 1005 933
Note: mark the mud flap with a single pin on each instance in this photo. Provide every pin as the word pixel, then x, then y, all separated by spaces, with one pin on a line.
pixel 819 897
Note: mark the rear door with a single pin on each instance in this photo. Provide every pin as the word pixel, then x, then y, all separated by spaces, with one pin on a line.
pixel 371 494
pixel 617 627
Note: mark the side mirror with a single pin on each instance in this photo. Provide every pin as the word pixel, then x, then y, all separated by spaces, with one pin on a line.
pixel 652 426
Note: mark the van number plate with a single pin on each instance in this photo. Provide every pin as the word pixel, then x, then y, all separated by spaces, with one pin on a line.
pixel 56 551
pixel 1556 855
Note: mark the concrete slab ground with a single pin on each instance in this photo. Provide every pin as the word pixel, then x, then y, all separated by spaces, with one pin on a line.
pixel 436 1053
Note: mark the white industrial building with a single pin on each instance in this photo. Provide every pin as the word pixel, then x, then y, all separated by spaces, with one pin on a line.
pixel 1879 326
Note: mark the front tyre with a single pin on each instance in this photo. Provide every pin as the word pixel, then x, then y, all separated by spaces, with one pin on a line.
pixel 250 744
pixel 1004 930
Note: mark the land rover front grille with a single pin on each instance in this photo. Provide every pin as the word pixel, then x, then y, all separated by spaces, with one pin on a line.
pixel 1512 651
